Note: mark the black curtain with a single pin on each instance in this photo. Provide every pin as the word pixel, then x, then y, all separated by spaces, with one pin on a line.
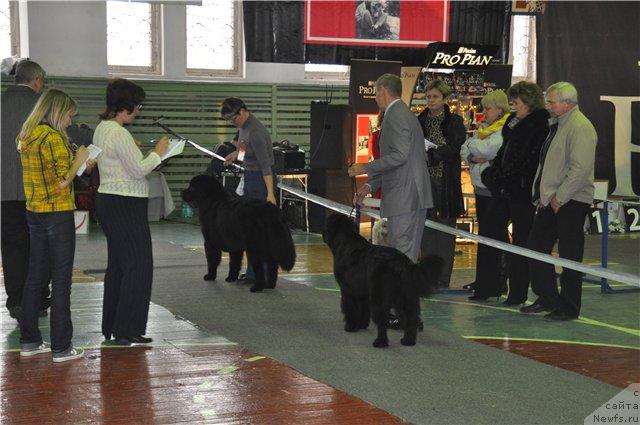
pixel 595 46
pixel 481 22
pixel 274 32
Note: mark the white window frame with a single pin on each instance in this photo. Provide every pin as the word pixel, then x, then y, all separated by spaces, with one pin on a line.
pixel 238 51
pixel 531 49
pixel 340 75
pixel 14 22
pixel 156 49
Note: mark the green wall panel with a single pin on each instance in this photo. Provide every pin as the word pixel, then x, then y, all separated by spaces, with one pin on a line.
pixel 192 110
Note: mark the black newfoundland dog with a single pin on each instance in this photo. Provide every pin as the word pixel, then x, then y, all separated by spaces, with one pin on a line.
pixel 374 278
pixel 238 225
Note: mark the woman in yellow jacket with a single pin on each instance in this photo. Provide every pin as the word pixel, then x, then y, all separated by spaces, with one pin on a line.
pixel 48 167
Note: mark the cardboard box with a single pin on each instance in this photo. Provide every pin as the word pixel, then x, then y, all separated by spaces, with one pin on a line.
pixel 81 219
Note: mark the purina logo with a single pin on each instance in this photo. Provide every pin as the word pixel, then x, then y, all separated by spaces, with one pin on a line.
pixel 368 90
pixel 464 56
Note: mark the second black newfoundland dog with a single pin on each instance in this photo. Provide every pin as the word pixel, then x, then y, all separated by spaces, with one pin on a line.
pixel 238 225
pixel 374 278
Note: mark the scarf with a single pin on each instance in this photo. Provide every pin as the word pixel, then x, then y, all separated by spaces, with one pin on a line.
pixel 497 125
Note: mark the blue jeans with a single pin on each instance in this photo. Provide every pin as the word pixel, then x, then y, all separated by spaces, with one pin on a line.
pixel 52 240
pixel 255 188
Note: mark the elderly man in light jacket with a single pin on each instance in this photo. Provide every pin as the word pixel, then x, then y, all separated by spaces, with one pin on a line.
pixel 563 192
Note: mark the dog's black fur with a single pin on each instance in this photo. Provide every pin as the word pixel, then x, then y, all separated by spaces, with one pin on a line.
pixel 374 278
pixel 236 225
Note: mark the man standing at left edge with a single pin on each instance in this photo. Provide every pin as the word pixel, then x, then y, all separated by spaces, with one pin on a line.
pixel 17 102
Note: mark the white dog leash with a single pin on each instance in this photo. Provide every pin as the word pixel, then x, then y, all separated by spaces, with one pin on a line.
pixel 194 144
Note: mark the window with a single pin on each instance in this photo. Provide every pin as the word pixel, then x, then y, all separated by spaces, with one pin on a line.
pixel 523 48
pixel 9 29
pixel 133 37
pixel 214 38
pixel 324 72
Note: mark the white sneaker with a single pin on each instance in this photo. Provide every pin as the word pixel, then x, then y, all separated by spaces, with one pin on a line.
pixel 28 350
pixel 68 354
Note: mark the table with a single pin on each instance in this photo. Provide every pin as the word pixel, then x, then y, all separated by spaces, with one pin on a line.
pixel 300 179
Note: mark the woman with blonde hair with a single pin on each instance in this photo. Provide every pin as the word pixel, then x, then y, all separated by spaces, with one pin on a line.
pixel 48 167
pixel 478 151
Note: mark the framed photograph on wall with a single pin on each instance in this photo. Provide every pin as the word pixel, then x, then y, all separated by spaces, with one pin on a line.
pixel 398 23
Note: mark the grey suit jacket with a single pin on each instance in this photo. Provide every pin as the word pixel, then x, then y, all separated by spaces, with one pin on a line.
pixel 17 103
pixel 401 171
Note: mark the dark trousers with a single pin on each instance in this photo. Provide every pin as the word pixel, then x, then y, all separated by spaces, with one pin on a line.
pixel 488 283
pixel 52 247
pixel 435 242
pixel 15 253
pixel 127 281
pixel 255 188
pixel 565 227
pixel 520 213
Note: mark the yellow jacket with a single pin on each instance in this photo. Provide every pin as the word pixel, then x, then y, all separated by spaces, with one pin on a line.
pixel 46 158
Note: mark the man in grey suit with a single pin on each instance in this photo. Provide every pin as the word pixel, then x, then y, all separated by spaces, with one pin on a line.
pixel 17 102
pixel 401 170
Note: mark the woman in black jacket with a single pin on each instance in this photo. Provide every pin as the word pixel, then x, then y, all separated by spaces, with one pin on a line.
pixel 445 133
pixel 510 178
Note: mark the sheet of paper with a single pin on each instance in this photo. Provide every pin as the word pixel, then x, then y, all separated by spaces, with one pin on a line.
pixel 94 152
pixel 429 145
pixel 176 146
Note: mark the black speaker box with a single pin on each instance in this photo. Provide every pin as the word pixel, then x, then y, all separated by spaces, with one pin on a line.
pixel 331 136
pixel 288 160
pixel 335 185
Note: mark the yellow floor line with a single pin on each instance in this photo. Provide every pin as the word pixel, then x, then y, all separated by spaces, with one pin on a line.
pixel 581 319
pixel 587 321
pixel 555 341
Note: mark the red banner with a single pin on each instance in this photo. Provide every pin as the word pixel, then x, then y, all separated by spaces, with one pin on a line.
pixel 391 23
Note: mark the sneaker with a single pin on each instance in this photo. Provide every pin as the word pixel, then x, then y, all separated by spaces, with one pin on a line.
pixel 34 348
pixel 68 354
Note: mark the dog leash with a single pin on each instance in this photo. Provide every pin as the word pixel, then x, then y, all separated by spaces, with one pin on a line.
pixel 194 144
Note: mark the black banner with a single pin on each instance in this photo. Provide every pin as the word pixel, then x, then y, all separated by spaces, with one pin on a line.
pixel 497 77
pixel 460 56
pixel 596 46
pixel 362 79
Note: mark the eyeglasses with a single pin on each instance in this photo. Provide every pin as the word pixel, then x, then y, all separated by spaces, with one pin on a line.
pixel 231 118
pixel 139 106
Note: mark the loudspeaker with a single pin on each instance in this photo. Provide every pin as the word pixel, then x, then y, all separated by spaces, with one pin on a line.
pixel 287 160
pixel 331 136
pixel 335 185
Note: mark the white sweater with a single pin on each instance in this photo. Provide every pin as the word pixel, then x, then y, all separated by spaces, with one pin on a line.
pixel 486 148
pixel 122 168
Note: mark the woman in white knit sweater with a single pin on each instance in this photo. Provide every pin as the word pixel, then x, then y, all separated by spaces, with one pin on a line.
pixel 121 207
pixel 478 152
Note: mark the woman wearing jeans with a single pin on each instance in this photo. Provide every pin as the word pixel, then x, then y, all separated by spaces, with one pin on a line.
pixel 256 152
pixel 48 167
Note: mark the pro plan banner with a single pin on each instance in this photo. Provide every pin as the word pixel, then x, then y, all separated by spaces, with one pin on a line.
pixel 362 83
pixel 401 23
pixel 460 56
